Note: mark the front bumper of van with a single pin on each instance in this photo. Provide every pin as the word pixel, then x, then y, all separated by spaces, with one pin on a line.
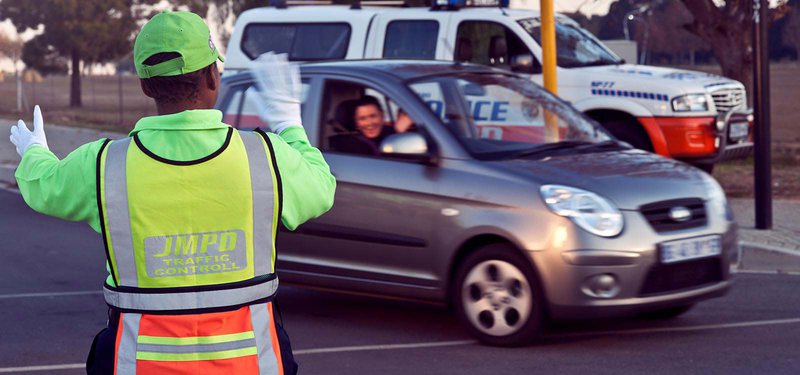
pixel 703 140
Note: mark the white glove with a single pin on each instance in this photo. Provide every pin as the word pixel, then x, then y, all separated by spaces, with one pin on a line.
pixel 279 89
pixel 23 138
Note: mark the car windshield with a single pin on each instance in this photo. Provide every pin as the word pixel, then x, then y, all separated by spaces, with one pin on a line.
pixel 499 116
pixel 575 47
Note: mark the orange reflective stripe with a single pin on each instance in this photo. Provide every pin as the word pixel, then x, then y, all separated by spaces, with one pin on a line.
pixel 274 334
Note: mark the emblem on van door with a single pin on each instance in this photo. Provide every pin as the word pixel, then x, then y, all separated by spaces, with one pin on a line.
pixel 680 214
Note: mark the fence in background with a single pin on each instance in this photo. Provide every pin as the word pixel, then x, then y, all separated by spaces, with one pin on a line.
pixel 114 102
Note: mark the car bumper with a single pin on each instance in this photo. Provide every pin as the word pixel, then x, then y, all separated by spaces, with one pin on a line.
pixel 644 283
pixel 632 306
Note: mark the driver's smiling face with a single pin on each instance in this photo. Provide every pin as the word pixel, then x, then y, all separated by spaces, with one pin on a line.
pixel 369 120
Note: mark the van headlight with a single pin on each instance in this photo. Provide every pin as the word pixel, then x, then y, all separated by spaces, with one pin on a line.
pixel 690 103
pixel 588 210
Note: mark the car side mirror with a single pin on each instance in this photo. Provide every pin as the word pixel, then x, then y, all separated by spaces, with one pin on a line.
pixel 409 145
pixel 525 63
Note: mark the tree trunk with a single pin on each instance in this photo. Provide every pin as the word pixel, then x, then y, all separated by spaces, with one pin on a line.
pixel 75 84
pixel 736 63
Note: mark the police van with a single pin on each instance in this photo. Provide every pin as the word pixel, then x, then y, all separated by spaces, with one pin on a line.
pixel 696 117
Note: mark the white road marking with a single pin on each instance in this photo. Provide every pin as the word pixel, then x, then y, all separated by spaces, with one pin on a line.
pixel 68 366
pixel 384 347
pixel 755 323
pixel 53 294
pixel 434 344
pixel 763 272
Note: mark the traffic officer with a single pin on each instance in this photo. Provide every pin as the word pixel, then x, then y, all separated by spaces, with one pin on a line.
pixel 188 210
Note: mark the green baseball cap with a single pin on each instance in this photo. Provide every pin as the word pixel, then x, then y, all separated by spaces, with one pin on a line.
pixel 182 32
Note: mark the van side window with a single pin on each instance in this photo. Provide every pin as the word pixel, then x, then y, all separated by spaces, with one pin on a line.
pixel 303 42
pixel 490 43
pixel 411 39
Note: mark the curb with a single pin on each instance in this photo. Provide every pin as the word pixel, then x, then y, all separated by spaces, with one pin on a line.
pixel 757 257
pixel 761 247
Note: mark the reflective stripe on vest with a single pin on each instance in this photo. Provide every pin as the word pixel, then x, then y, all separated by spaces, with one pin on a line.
pixel 190 300
pixel 198 257
pixel 258 342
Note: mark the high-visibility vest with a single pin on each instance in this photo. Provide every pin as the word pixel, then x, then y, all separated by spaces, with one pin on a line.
pixel 191 249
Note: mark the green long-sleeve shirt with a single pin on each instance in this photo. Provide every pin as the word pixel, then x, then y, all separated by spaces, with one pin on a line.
pixel 67 188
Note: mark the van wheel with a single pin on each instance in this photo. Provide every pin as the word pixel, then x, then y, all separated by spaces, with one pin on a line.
pixel 628 131
pixel 708 168
pixel 668 313
pixel 498 298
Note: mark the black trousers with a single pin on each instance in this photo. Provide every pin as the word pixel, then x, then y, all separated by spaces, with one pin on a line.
pixel 101 356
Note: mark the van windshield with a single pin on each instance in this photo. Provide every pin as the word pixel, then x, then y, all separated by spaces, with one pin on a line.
pixel 498 116
pixel 575 47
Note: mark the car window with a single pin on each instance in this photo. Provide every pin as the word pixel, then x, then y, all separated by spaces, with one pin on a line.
pixel 241 107
pixel 303 42
pixel 411 39
pixel 499 116
pixel 357 118
pixel 490 43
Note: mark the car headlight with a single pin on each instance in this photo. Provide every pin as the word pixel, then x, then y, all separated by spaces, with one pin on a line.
pixel 690 103
pixel 588 210
pixel 716 197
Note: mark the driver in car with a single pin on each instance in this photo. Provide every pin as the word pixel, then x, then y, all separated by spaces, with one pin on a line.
pixel 368 119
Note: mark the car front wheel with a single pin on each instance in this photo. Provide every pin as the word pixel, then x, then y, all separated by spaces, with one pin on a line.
pixel 498 298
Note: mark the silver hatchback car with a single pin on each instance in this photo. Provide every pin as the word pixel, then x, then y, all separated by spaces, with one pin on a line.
pixel 484 191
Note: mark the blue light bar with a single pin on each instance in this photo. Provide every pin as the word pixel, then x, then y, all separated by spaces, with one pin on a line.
pixel 455 4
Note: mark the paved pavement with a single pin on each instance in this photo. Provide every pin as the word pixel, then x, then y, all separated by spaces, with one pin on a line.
pixel 51 307
pixel 776 249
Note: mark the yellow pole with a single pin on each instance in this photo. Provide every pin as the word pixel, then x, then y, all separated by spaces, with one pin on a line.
pixel 549 64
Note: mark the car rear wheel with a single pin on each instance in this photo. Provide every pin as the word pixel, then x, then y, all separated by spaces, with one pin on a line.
pixel 498 298
pixel 668 313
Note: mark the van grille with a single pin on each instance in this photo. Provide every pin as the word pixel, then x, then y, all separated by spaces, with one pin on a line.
pixel 658 214
pixel 726 99
pixel 665 278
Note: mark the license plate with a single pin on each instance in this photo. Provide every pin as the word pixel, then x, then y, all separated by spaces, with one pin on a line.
pixel 738 130
pixel 693 248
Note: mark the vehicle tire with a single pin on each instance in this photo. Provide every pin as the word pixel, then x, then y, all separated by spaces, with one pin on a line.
pixel 668 313
pixel 497 296
pixel 708 168
pixel 628 130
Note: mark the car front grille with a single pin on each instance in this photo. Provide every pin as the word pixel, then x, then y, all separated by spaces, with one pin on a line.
pixel 726 99
pixel 665 278
pixel 658 214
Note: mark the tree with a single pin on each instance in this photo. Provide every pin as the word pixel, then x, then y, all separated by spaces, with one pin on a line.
pixel 78 31
pixel 11 48
pixel 728 29
pixel 666 35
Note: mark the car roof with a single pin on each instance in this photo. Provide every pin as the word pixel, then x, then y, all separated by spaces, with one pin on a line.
pixel 401 70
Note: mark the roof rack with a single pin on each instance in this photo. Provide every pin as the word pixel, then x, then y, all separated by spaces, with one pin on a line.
pixel 356 4
pixel 434 4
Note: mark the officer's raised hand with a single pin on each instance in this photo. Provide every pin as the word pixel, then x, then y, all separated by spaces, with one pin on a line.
pixel 23 138
pixel 279 88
